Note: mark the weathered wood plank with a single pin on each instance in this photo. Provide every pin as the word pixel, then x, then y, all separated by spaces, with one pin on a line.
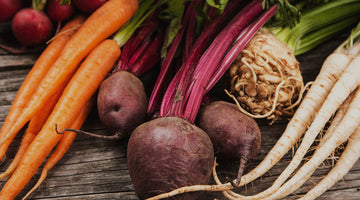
pixel 12 61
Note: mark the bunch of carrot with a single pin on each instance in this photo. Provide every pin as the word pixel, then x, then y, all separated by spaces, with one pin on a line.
pixel 57 92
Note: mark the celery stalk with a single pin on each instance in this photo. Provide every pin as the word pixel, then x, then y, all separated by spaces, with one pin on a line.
pixel 318 24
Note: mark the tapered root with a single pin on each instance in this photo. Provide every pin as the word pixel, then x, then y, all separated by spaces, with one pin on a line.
pixel 117 136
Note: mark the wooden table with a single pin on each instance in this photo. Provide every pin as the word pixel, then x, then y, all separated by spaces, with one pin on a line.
pixel 96 169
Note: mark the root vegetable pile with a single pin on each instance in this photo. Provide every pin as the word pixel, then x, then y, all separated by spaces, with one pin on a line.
pixel 175 133
pixel 334 92
pixel 71 68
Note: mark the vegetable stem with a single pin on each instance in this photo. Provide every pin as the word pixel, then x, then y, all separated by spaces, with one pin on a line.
pixel 217 50
pixel 145 9
pixel 336 14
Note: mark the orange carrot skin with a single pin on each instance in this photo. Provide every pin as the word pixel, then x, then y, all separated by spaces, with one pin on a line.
pixel 38 71
pixel 41 67
pixel 69 137
pixel 105 21
pixel 32 130
pixel 79 90
pixel 64 144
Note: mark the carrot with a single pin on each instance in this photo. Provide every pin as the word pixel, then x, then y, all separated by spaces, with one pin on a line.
pixel 343 131
pixel 347 160
pixel 33 128
pixel 81 87
pixel 36 74
pixel 101 24
pixel 63 145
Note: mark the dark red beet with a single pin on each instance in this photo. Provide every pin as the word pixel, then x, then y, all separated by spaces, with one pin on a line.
pixel 167 153
pixel 233 134
pixel 58 12
pixel 88 6
pixel 31 27
pixel 8 8
pixel 122 103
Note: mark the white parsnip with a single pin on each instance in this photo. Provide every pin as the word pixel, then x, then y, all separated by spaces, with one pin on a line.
pixel 346 84
pixel 331 70
pixel 336 120
pixel 343 131
pixel 347 160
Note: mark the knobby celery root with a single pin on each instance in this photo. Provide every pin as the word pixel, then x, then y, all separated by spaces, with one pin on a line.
pixel 263 66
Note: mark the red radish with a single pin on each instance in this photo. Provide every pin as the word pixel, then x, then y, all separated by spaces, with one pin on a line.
pixel 8 9
pixel 31 27
pixel 233 134
pixel 88 6
pixel 58 12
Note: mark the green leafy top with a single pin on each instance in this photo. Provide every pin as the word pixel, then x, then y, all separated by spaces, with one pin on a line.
pixel 173 14
pixel 287 14
pixel 219 4
pixel 349 43
pixel 65 2
pixel 38 4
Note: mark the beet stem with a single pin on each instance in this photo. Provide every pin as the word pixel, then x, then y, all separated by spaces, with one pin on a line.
pixel 185 72
pixel 244 38
pixel 165 68
pixel 150 58
pixel 212 57
pixel 137 46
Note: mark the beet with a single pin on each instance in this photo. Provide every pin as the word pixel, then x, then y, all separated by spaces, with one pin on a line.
pixel 31 27
pixel 8 9
pixel 88 6
pixel 122 103
pixel 233 134
pixel 167 153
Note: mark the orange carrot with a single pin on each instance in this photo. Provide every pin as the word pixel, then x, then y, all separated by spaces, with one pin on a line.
pixel 63 145
pixel 81 87
pixel 101 24
pixel 36 74
pixel 32 130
